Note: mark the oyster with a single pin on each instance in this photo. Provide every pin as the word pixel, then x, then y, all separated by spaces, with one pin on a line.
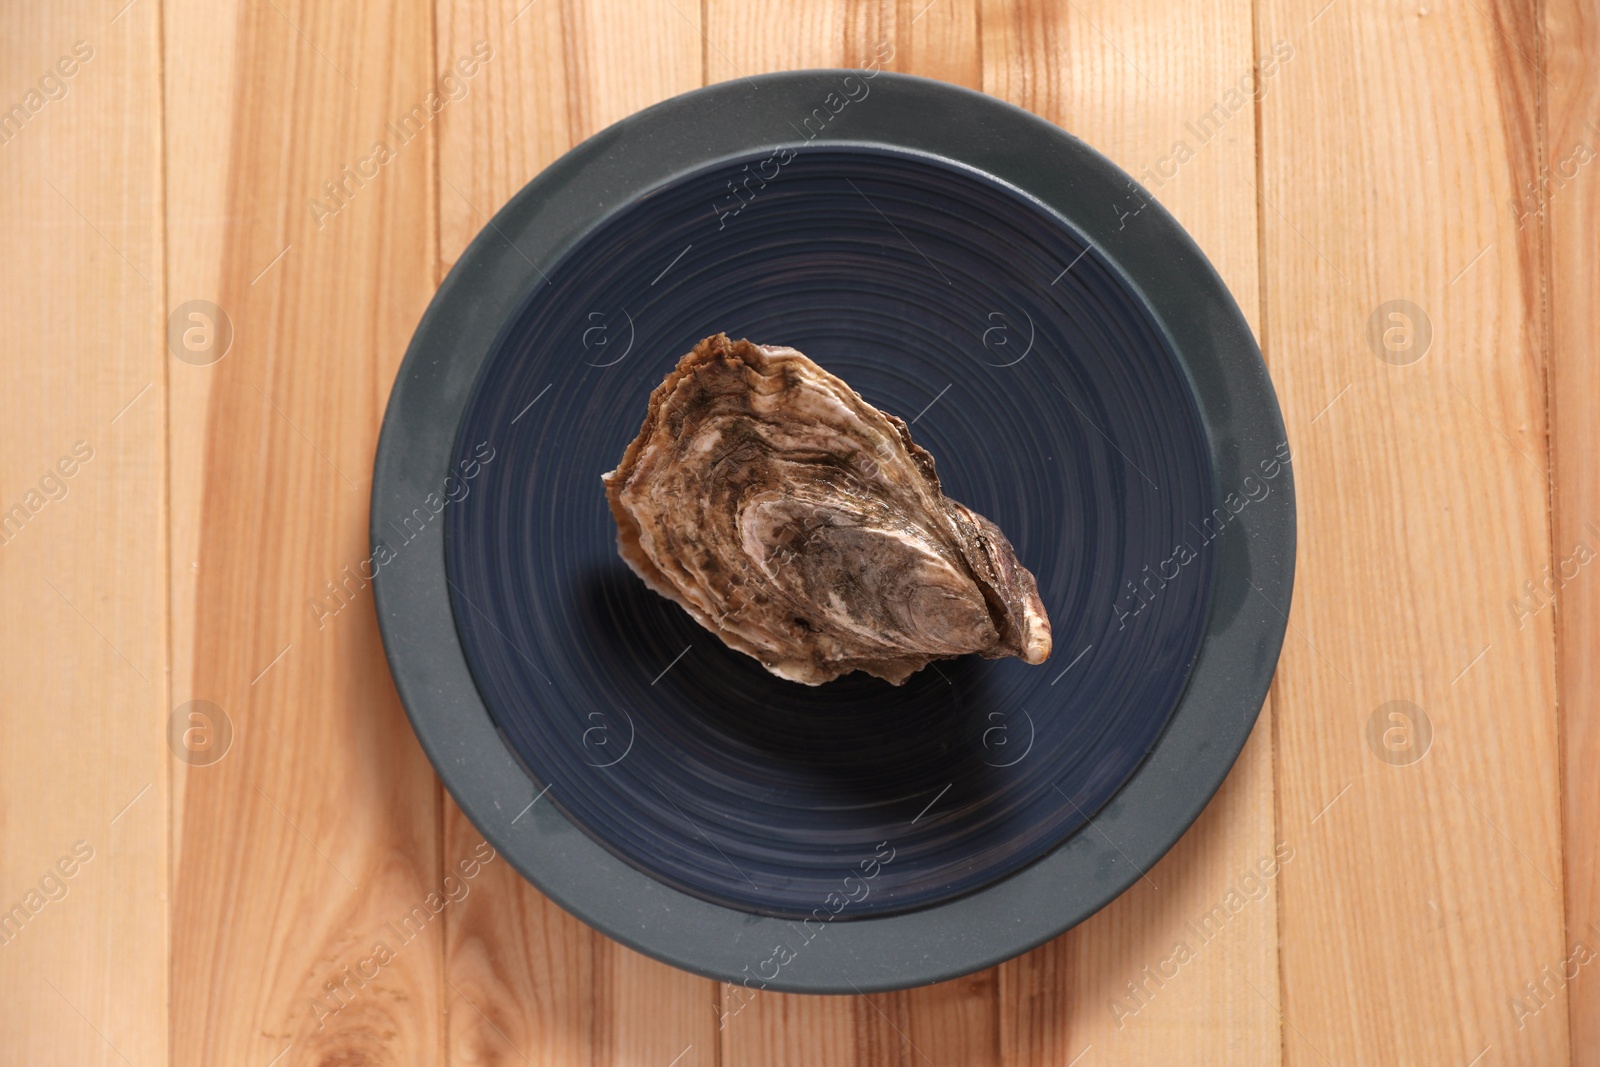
pixel 804 527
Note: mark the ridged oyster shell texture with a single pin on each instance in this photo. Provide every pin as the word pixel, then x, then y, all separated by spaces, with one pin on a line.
pixel 804 527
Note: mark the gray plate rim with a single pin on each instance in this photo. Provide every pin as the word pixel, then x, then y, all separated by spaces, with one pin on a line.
pixel 1254 568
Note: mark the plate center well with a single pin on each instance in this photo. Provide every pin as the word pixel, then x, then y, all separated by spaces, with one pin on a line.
pixel 1051 403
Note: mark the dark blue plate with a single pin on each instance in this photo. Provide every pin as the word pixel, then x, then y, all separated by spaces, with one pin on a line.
pixel 1050 400
pixel 1081 376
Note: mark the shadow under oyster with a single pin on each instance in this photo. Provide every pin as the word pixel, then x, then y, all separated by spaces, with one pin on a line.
pixel 804 527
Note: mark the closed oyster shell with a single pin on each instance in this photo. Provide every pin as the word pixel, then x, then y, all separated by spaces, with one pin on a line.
pixel 803 526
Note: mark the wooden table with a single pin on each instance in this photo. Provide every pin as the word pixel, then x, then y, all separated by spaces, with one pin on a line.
pixel 188 526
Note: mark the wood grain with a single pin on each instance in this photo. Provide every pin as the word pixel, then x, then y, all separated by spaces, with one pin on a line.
pixel 954 1021
pixel 529 983
pixel 198 163
pixel 1423 911
pixel 1137 81
pixel 1566 200
pixel 315 839
pixel 1426 887
pixel 83 646
pixel 563 70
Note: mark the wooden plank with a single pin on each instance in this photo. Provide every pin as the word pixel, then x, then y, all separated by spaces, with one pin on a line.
pixel 1566 196
pixel 527 982
pixel 1142 82
pixel 1232 239
pixel 957 1021
pixel 315 839
pixel 198 163
pixel 1425 889
pixel 555 80
pixel 83 644
pixel 507 948
pixel 952 1022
